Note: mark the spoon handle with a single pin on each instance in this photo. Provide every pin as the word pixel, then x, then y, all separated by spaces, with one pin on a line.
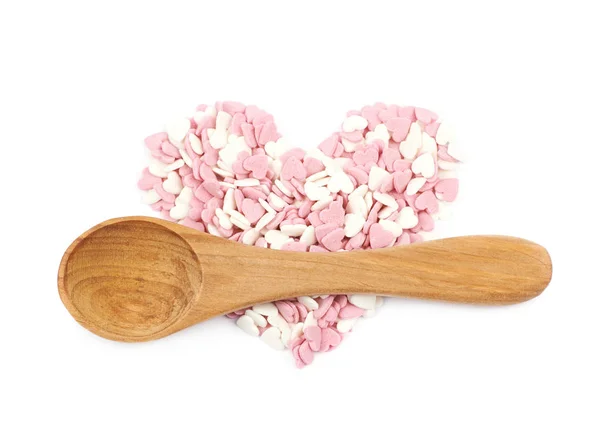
pixel 471 269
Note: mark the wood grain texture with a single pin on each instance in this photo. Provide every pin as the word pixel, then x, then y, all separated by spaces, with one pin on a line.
pixel 139 279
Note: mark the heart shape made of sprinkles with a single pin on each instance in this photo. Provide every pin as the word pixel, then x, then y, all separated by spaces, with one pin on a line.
pixel 381 180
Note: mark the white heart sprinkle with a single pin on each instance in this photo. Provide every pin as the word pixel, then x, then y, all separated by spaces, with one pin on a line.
pixel 264 220
pixel 157 168
pixel 247 325
pixel 212 230
pixel 175 165
pixel 336 165
pixel 177 129
pixel 266 206
pixel 218 139
pixel 379 133
pixel 266 309
pixel 376 176
pixel 386 212
pixel 353 123
pixel 173 183
pixel 353 224
pixel 185 196
pixel 179 211
pixel 392 227
pixel 309 320
pixel 323 182
pixel 345 325
pixel 428 145
pixel 357 205
pixel 278 321
pixel 229 201
pixel 444 134
pixel 186 158
pixel 348 145
pixel 366 302
pixel 276 202
pixel 240 218
pixel 340 182
pixel 296 331
pixel 151 197
pixel 321 204
pixel 317 176
pixel 223 173
pixel 386 200
pixel 410 147
pixel 258 319
pixel 272 337
pixel 276 238
pixel 246 182
pixel 224 219
pixel 308 237
pixel 276 149
pixel 369 200
pixel 294 230
pixel 250 236
pixel 281 186
pixel 317 154
pixel 414 185
pixel 308 302
pixel 231 151
pixel 424 165
pixel 223 120
pixel 361 191
pixel 314 192
pixel 196 144
pixel 407 218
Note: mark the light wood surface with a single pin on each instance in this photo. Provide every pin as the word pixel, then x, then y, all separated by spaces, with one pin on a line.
pixel 139 278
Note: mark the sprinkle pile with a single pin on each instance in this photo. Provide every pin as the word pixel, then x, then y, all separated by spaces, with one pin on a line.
pixel 382 180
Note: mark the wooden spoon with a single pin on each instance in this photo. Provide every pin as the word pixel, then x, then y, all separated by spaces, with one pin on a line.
pixel 139 278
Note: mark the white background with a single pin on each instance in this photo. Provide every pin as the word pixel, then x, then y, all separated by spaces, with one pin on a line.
pixel 82 83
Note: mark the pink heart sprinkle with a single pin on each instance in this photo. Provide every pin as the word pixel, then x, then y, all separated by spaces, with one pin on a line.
pixel 427 201
pixel 334 214
pixel 426 222
pixel 252 210
pixel 407 112
pixel 399 128
pixel 329 145
pixel 155 141
pixel 258 165
pixel 366 155
pixel 401 179
pixel 333 240
pixel 293 168
pixel 322 230
pixel 389 157
pixel 424 115
pixel 313 337
pixel 313 165
pixel 350 312
pixel 380 237
pixel 447 188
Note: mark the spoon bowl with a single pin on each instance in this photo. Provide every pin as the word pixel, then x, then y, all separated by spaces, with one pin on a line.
pixel 130 280
pixel 139 279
